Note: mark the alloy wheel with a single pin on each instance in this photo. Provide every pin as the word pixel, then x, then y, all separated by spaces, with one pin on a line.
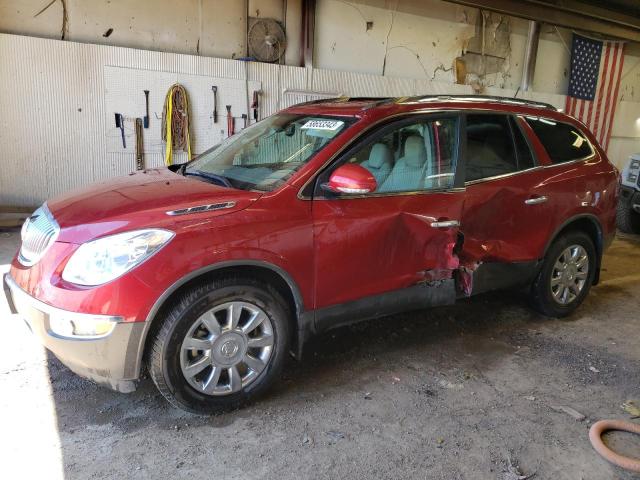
pixel 569 274
pixel 227 348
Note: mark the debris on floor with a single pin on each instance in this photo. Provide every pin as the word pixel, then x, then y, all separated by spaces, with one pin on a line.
pixel 569 411
pixel 334 436
pixel 631 408
pixel 513 472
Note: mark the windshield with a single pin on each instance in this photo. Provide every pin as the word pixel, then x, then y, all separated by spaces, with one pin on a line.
pixel 266 154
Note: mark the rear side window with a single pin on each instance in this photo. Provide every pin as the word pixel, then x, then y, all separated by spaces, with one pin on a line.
pixel 563 142
pixel 490 149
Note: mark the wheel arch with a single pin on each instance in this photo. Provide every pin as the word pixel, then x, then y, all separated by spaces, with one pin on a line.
pixel 589 224
pixel 269 273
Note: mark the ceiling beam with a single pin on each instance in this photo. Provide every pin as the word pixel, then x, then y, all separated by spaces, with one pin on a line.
pixel 571 14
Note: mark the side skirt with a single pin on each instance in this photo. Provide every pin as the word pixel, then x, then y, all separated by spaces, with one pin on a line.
pixel 499 275
pixel 487 277
pixel 416 297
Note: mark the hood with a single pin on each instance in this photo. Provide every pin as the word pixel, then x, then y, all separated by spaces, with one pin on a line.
pixel 139 200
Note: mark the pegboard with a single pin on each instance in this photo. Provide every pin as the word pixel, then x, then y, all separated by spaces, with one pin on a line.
pixel 124 93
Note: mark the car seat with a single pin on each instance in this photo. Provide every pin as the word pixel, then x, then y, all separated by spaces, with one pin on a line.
pixel 379 163
pixel 408 172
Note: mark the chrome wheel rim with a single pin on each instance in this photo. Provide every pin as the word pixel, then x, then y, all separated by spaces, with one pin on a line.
pixel 569 274
pixel 227 348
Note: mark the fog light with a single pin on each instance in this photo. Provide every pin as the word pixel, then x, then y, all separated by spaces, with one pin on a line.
pixel 92 327
pixel 79 327
pixel 61 326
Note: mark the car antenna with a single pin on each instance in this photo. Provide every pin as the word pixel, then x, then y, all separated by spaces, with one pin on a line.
pixel 516 94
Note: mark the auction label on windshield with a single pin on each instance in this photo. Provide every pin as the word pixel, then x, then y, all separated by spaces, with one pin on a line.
pixel 323 124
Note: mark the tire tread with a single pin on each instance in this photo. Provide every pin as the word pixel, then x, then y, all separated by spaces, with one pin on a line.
pixel 539 297
pixel 174 315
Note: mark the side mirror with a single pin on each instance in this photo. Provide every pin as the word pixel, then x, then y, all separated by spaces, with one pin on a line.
pixel 351 179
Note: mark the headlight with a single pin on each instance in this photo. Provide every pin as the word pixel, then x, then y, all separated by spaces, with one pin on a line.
pixel 105 259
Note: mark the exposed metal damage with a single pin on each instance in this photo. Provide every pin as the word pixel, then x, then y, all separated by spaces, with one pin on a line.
pixel 458 263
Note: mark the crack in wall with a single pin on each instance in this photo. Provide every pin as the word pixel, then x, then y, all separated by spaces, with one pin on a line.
pixel 65 18
pixel 386 41
pixel 440 68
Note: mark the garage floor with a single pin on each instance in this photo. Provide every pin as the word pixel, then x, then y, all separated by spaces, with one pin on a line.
pixel 451 393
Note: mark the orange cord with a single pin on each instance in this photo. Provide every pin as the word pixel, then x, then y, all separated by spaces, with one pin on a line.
pixel 595 436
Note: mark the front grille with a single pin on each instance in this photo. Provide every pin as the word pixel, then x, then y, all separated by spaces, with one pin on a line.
pixel 39 231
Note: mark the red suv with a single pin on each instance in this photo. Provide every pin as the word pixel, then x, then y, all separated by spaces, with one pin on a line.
pixel 327 213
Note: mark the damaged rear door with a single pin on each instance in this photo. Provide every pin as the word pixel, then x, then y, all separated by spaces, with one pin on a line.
pixel 391 249
pixel 507 215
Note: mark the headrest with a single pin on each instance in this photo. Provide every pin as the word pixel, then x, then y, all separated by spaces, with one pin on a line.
pixel 414 152
pixel 380 154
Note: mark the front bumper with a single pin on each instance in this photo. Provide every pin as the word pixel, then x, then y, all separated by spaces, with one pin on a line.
pixel 109 360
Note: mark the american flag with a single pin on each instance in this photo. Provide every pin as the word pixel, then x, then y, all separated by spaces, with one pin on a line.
pixel 596 67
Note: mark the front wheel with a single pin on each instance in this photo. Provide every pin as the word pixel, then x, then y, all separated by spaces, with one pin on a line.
pixel 566 275
pixel 223 343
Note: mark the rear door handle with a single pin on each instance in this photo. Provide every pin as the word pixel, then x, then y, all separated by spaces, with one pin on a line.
pixel 445 224
pixel 536 200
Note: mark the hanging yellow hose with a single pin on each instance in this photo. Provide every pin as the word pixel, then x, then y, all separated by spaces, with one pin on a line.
pixel 175 122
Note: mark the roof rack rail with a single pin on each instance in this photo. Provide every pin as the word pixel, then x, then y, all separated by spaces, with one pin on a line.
pixel 375 101
pixel 476 98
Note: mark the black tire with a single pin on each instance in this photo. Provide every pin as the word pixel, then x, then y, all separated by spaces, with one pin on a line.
pixel 627 220
pixel 164 353
pixel 541 296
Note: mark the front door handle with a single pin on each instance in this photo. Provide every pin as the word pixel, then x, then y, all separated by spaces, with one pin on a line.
pixel 536 200
pixel 445 224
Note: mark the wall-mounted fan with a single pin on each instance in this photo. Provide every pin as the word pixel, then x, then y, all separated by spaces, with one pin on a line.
pixel 266 39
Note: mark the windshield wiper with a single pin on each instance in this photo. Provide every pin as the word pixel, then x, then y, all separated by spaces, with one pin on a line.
pixel 219 179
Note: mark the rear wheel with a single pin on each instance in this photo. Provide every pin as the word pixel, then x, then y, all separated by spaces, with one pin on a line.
pixel 223 343
pixel 566 275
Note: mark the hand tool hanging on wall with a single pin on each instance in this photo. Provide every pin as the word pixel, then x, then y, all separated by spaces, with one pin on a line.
pixel 255 105
pixel 215 104
pixel 244 120
pixel 146 110
pixel 139 145
pixel 175 122
pixel 230 122
pixel 120 125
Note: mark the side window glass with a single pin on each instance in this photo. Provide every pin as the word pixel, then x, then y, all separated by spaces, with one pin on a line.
pixel 414 157
pixel 525 157
pixel 489 147
pixel 563 142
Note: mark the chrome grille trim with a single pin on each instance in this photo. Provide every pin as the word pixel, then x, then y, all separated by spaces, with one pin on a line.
pixel 38 233
pixel 202 208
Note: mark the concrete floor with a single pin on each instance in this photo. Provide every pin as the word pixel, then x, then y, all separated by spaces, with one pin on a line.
pixel 451 393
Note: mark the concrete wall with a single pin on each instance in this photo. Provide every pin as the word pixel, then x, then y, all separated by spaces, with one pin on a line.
pixel 422 38
pixel 213 28
pixel 406 38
